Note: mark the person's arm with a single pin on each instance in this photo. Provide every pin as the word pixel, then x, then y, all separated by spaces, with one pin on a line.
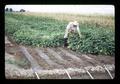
pixel 66 34
pixel 66 31
pixel 78 30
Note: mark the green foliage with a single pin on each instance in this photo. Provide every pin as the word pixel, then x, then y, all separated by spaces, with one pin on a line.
pixel 49 32
pixel 97 41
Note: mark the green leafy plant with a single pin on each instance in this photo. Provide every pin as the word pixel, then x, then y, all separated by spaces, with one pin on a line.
pixel 47 31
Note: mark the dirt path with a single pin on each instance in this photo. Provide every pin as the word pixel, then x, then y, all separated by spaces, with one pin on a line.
pixel 55 63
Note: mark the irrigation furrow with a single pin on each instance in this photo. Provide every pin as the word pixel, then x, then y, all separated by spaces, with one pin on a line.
pixel 45 57
pixel 58 57
pixel 33 62
pixel 71 55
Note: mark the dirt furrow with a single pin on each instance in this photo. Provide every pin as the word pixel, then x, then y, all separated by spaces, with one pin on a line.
pixel 57 56
pixel 70 55
pixel 59 59
pixel 103 59
pixel 18 56
pixel 75 63
pixel 47 58
pixel 39 59
pixel 33 62
pixel 78 62
pixel 92 59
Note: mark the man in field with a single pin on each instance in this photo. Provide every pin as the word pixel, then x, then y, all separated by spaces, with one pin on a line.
pixel 72 27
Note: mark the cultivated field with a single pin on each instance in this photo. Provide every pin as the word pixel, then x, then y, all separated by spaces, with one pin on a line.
pixel 34 48
pixel 44 30
pixel 25 62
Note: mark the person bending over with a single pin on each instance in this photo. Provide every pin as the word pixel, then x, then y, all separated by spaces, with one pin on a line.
pixel 72 27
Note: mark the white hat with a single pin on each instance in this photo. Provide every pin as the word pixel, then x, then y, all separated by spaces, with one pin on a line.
pixel 75 23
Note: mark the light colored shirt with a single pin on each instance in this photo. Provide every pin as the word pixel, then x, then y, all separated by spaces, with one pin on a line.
pixel 72 27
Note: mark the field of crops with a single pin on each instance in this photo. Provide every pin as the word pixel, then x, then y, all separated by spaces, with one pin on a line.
pixel 47 30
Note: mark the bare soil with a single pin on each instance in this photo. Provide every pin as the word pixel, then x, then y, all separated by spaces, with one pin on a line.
pixel 55 58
